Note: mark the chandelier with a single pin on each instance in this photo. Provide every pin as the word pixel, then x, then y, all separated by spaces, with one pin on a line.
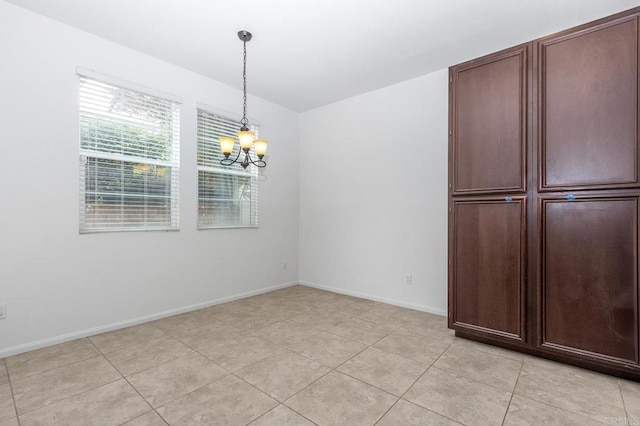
pixel 245 136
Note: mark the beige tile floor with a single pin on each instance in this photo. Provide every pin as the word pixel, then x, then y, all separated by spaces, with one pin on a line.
pixel 301 356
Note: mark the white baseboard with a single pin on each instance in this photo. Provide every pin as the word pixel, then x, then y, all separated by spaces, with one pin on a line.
pixel 14 350
pixel 423 308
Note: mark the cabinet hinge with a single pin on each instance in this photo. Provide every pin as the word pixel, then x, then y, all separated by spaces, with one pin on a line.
pixel 450 80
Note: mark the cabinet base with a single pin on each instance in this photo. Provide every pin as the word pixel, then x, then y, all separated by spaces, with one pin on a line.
pixel 617 370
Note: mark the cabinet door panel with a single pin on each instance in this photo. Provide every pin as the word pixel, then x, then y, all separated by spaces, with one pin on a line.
pixel 589 291
pixel 489 136
pixel 488 266
pixel 588 92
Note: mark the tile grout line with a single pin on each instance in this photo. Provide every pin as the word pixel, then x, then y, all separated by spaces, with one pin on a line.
pixel 70 396
pixel 133 387
pixel 13 396
pixel 504 418
pixel 181 396
pixel 559 408
pixel 432 365
pixel 335 369
pixel 550 405
pixel 280 404
pixel 624 405
pixel 95 355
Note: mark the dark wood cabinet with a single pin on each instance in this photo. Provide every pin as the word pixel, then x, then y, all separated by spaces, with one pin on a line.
pixel 490 124
pixel 488 280
pixel 589 282
pixel 588 94
pixel 543 197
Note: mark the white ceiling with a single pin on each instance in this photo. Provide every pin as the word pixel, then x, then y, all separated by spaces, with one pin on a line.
pixel 308 53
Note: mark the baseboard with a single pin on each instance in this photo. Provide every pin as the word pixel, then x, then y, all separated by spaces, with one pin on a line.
pixel 417 307
pixel 14 350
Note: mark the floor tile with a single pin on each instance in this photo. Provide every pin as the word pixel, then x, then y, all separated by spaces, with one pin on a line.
pixel 286 308
pixel 337 399
pixel 327 349
pixel 494 350
pixel 428 325
pixel 118 339
pixel 282 416
pixel 208 334
pixel 111 404
pixel 133 359
pixel 240 352
pixel 228 401
pixel 7 409
pixel 361 331
pixel 149 419
pixel 4 377
pixel 179 323
pixel 631 397
pixel 225 309
pixel 51 386
pixel 321 318
pixel 41 360
pixel 524 411
pixel 283 331
pixel 258 301
pixel 573 389
pixel 318 300
pixel 383 370
pixel 407 414
pixel 347 306
pixel 252 320
pixel 235 306
pixel 483 367
pixel 413 346
pixel 282 375
pixel 284 344
pixel 161 384
pixel 459 398
pixel 381 313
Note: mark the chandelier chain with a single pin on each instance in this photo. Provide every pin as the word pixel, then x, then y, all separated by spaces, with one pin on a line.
pixel 244 120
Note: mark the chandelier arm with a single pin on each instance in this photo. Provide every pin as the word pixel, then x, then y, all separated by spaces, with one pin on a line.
pixel 258 163
pixel 228 162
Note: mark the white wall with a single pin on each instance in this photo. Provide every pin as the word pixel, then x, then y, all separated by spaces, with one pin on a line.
pixel 373 194
pixel 59 284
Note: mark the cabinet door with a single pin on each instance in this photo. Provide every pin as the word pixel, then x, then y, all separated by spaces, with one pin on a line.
pixel 588 99
pixel 488 116
pixel 589 280
pixel 487 288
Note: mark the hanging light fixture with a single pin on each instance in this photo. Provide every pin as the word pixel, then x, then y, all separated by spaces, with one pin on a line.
pixel 245 136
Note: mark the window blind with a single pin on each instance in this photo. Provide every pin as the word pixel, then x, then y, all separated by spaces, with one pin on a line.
pixel 129 159
pixel 227 195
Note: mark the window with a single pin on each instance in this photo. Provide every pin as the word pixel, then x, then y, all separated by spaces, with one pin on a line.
pixel 227 195
pixel 129 159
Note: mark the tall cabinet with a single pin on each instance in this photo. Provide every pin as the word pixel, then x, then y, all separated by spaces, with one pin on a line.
pixel 543 197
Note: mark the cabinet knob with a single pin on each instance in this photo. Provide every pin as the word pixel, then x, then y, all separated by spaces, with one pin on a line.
pixel 508 199
pixel 571 197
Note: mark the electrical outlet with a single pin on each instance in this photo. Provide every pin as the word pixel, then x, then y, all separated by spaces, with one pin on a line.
pixel 408 279
pixel 3 310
